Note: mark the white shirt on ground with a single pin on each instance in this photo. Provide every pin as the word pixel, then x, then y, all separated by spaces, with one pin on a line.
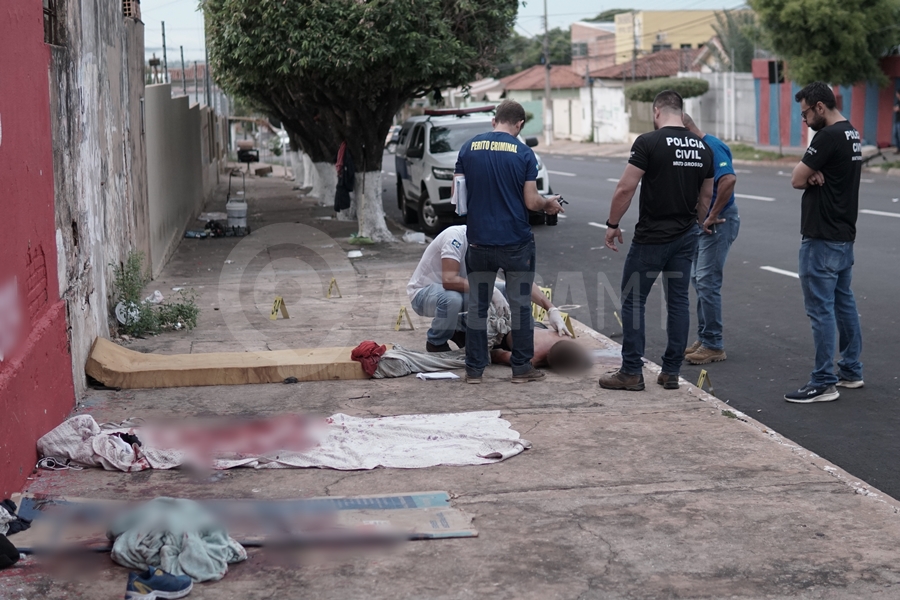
pixel 451 243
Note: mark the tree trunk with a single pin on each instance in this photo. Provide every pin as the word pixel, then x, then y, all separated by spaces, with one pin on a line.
pixel 310 174
pixel 369 207
pixel 327 183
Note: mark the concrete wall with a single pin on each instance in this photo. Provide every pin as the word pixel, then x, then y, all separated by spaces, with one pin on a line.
pixel 36 389
pixel 611 120
pixel 97 84
pixel 183 148
pixel 715 112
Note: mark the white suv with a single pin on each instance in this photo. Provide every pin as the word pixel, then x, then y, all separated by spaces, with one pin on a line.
pixel 426 155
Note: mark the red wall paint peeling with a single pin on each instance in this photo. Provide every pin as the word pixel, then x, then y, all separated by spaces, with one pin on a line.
pixel 36 391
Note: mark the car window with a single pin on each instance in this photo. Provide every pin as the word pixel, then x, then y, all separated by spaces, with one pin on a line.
pixel 404 132
pixel 451 138
pixel 418 137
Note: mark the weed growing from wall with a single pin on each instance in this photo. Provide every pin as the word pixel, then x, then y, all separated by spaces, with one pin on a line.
pixel 141 316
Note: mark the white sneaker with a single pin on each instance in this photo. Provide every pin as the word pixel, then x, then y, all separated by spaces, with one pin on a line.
pixel 850 383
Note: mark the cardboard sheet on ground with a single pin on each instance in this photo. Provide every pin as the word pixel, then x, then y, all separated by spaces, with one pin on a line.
pixel 63 522
pixel 115 366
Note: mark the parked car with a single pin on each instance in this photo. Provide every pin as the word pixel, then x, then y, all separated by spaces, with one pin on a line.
pixel 427 149
pixel 390 142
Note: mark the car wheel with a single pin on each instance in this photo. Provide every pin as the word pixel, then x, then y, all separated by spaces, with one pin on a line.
pixel 428 219
pixel 408 214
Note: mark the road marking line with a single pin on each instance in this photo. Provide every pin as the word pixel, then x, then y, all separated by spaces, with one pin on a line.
pixel 563 173
pixel 392 174
pixel 561 216
pixel 880 213
pixel 867 180
pixel 577 158
pixel 610 179
pixel 742 171
pixel 781 272
pixel 749 197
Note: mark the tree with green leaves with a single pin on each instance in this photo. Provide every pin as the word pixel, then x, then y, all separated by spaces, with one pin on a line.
pixel 339 70
pixel 519 52
pixel 838 41
pixel 737 32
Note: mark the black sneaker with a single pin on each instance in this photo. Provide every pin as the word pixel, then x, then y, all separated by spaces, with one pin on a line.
pixel 810 393
pixel 459 338
pixel 445 347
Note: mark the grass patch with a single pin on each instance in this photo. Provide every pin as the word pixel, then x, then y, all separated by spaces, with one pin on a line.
pixel 745 152
pixel 888 165
pixel 142 317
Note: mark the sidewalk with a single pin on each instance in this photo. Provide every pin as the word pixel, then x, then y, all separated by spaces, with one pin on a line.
pixel 659 494
pixel 568 147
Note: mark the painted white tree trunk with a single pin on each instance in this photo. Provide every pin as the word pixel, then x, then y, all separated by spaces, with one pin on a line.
pixel 310 174
pixel 326 184
pixel 370 208
pixel 296 163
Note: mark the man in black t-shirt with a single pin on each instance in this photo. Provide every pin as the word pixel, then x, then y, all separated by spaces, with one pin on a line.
pixel 675 169
pixel 829 176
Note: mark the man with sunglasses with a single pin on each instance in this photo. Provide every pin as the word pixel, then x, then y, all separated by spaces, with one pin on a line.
pixel 500 175
pixel 829 175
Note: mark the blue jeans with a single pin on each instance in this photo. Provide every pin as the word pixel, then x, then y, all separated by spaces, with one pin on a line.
pixel 707 273
pixel 826 269
pixel 643 265
pixel 896 137
pixel 517 263
pixel 446 307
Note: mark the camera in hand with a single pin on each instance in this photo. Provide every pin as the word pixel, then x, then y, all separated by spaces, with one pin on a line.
pixel 552 220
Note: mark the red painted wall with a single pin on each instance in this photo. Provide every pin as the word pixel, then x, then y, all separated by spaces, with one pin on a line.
pixel 36 391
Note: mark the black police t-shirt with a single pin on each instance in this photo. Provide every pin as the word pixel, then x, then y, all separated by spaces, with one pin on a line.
pixel 675 164
pixel 829 211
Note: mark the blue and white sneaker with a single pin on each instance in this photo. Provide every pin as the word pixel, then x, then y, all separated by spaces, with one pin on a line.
pixel 810 393
pixel 155 583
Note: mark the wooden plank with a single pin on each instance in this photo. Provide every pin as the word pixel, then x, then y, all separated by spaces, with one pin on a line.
pixel 115 366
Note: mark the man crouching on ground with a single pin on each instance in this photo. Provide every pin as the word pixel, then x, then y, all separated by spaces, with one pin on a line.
pixel 439 288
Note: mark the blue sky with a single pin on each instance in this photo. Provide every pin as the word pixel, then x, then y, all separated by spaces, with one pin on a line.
pixel 184 23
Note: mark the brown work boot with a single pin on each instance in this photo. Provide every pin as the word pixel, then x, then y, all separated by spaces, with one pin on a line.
pixel 617 380
pixel 693 347
pixel 474 379
pixel 705 356
pixel 532 375
pixel 668 380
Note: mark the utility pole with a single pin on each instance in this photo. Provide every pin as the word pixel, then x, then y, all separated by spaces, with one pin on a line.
pixel 634 50
pixel 548 101
pixel 196 86
pixel 165 60
pixel 206 75
pixel 183 73
pixel 733 99
pixel 590 83
pixel 778 99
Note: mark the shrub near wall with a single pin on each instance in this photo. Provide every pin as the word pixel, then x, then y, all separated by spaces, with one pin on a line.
pixel 687 87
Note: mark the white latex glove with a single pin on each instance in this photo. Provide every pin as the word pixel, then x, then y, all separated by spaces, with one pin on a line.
pixel 500 304
pixel 557 323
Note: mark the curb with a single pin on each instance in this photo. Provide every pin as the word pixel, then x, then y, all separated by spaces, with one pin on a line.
pixel 856 484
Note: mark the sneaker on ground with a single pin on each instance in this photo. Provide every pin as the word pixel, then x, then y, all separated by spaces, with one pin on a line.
pixel 850 383
pixel 810 393
pixel 156 583
pixel 693 347
pixel 669 381
pixel 473 378
pixel 705 356
pixel 532 375
pixel 445 347
pixel 617 380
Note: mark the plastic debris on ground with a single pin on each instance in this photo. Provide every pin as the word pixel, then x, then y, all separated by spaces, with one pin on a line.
pixel 440 375
pixel 414 237
pixel 354 254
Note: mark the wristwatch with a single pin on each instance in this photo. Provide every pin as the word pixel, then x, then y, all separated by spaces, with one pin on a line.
pixel 612 225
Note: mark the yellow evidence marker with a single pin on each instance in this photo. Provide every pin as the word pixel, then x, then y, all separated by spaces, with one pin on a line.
pixel 400 319
pixel 277 306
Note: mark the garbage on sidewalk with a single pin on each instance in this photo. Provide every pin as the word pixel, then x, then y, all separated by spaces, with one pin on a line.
pixel 293 441
pixel 414 237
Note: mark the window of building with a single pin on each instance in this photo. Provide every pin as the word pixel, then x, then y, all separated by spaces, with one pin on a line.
pixel 52 29
pixel 579 49
pixel 683 46
pixel 658 47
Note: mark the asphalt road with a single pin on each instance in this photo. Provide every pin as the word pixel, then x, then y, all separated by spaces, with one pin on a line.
pixel 767 334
